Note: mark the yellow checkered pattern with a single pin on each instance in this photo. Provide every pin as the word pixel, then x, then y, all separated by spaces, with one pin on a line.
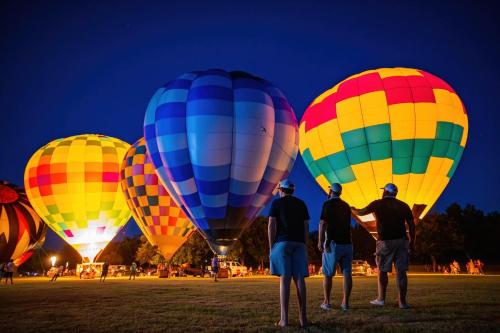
pixel 73 184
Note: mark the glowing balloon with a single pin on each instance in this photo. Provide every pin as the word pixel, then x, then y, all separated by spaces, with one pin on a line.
pixel 398 125
pixel 162 222
pixel 220 142
pixel 21 229
pixel 74 185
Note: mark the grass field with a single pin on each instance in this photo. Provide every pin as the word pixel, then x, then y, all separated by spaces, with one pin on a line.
pixel 439 304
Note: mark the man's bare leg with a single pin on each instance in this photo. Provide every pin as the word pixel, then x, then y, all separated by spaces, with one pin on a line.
pixel 402 285
pixel 347 289
pixel 327 289
pixel 383 280
pixel 285 282
pixel 300 285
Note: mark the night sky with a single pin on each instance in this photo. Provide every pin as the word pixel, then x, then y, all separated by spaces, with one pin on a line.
pixel 69 68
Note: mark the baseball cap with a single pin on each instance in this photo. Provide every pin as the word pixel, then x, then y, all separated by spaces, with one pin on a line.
pixel 336 188
pixel 287 184
pixel 390 188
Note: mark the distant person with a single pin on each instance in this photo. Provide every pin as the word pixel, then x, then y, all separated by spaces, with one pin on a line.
pixel 455 267
pixel 288 231
pixel 392 216
pixel 9 271
pixel 133 270
pixel 57 273
pixel 479 267
pixel 2 270
pixel 215 266
pixel 104 272
pixel 335 226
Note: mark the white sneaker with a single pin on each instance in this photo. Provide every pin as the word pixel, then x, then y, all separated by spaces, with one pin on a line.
pixel 344 307
pixel 377 302
pixel 326 307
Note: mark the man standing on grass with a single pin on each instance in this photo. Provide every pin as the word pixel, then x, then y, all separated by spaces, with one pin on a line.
pixel 9 271
pixel 288 230
pixel 104 272
pixel 133 270
pixel 215 266
pixel 392 216
pixel 335 223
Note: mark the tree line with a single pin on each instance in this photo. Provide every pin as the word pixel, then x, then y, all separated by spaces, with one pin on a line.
pixel 460 233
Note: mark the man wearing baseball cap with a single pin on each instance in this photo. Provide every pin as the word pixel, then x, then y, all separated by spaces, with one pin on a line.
pixel 335 224
pixel 288 230
pixel 392 216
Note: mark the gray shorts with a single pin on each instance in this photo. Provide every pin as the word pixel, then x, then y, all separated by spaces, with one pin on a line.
pixel 392 251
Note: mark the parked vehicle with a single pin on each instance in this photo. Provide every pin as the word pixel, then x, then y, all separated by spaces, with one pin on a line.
pixel 235 268
pixel 194 270
pixel 361 267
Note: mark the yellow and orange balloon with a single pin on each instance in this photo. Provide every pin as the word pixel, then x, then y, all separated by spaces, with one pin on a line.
pixel 399 125
pixel 162 222
pixel 74 185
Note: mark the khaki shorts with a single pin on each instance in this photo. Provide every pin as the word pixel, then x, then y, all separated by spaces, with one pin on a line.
pixel 392 251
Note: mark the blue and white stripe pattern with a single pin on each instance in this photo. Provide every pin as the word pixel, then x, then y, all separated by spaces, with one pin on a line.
pixel 220 142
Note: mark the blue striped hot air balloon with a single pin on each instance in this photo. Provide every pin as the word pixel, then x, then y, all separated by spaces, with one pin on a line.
pixel 220 142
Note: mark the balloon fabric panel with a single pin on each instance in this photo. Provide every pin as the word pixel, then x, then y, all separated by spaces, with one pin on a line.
pixel 398 125
pixel 162 222
pixel 21 229
pixel 222 140
pixel 73 183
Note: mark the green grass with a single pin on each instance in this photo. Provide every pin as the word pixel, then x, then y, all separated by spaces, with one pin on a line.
pixel 439 304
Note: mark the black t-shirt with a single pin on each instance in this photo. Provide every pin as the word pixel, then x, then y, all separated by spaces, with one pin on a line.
pixel 290 213
pixel 391 215
pixel 337 215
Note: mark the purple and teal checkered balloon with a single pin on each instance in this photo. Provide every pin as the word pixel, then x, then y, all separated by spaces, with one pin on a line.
pixel 220 142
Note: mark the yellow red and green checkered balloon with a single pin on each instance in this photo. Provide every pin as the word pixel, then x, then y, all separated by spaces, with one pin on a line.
pixel 398 125
pixel 163 223
pixel 74 185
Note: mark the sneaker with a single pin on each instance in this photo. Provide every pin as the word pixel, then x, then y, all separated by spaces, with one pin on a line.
pixel 377 302
pixel 326 307
pixel 344 307
pixel 404 306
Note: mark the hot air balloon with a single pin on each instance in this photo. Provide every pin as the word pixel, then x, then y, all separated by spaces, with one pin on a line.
pixel 162 222
pixel 74 185
pixel 220 142
pixel 21 229
pixel 398 125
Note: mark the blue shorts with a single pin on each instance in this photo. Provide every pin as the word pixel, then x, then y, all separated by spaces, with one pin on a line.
pixel 338 254
pixel 289 259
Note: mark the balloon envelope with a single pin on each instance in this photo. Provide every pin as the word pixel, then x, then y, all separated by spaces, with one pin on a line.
pixel 220 142
pixel 21 229
pixel 162 222
pixel 398 125
pixel 74 185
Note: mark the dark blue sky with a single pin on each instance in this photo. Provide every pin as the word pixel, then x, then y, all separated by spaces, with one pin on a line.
pixel 68 68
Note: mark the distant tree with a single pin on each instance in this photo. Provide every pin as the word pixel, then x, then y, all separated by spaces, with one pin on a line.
pixel 363 244
pixel 194 251
pixel 148 254
pixel 112 257
pixel 255 243
pixel 438 237
pixel 122 252
pixel 237 251
pixel 314 256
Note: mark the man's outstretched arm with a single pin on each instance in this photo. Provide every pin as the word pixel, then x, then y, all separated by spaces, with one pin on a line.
pixel 363 211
